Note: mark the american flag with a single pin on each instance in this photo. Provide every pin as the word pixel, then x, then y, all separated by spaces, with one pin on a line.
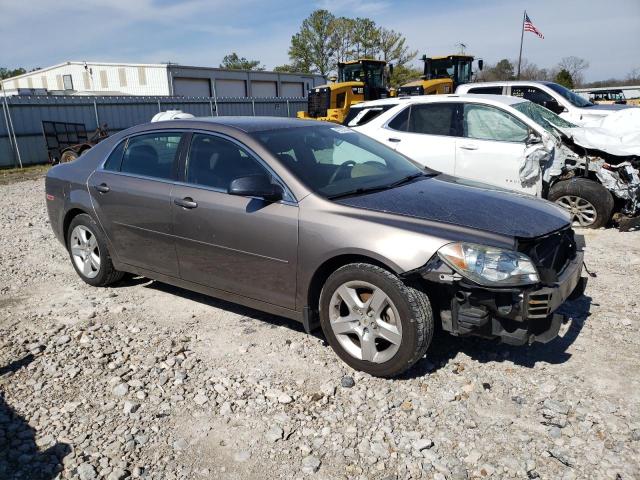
pixel 530 27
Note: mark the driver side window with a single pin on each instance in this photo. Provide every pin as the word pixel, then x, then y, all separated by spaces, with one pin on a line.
pixel 483 122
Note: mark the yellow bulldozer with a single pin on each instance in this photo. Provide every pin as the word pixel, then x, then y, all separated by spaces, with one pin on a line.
pixel 441 75
pixel 358 81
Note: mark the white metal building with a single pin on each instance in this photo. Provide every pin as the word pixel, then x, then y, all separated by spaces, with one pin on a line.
pixel 98 78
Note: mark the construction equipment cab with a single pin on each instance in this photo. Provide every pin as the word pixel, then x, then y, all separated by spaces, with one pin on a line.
pixel 358 81
pixel 441 75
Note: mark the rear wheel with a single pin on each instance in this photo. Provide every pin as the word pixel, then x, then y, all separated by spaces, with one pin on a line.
pixel 373 321
pixel 88 252
pixel 589 203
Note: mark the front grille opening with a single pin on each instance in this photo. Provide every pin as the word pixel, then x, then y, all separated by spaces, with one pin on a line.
pixel 538 305
pixel 551 253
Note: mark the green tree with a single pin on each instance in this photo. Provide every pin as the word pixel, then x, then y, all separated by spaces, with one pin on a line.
pixel 393 48
pixel 366 38
pixel 343 39
pixel 404 74
pixel 503 70
pixel 233 62
pixel 8 72
pixel 564 78
pixel 575 66
pixel 314 44
pixel 292 68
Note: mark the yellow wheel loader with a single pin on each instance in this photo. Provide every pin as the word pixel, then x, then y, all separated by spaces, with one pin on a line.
pixel 441 75
pixel 358 81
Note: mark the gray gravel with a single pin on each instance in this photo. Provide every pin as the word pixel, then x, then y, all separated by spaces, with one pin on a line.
pixel 144 380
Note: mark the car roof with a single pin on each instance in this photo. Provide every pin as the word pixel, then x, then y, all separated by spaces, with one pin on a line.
pixel 504 82
pixel 246 124
pixel 502 99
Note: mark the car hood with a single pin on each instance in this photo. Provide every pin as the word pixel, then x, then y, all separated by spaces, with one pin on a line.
pixel 598 138
pixel 468 204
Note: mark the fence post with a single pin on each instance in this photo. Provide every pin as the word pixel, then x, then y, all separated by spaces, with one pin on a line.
pixel 288 111
pixel 6 121
pixel 12 130
pixel 159 108
pixel 253 106
pixel 215 97
pixel 95 111
pixel 211 107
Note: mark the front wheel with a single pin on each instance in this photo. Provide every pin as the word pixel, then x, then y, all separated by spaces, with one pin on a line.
pixel 588 202
pixel 374 321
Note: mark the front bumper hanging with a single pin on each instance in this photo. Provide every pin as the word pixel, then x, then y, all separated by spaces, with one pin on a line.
pixel 516 316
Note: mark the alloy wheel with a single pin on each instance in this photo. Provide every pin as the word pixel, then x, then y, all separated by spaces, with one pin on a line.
pixel 365 321
pixel 583 213
pixel 85 251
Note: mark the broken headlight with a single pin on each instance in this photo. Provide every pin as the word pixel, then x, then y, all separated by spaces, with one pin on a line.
pixel 489 266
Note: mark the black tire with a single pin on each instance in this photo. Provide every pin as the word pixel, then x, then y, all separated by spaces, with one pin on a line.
pixel 413 307
pixel 106 274
pixel 586 189
pixel 68 156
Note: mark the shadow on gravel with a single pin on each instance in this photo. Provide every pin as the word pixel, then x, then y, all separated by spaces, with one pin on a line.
pixel 445 347
pixel 20 457
pixel 273 321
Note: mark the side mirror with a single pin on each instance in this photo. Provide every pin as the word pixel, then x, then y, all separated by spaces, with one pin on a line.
pixel 480 64
pixel 533 138
pixel 256 186
pixel 390 69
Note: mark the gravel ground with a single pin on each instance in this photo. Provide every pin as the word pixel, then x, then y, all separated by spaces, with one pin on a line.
pixel 145 380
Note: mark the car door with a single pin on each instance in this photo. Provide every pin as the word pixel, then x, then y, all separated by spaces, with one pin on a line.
pixel 242 245
pixel 492 148
pixel 131 195
pixel 426 133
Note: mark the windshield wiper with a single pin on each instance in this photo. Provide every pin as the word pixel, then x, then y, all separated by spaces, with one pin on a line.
pixel 379 188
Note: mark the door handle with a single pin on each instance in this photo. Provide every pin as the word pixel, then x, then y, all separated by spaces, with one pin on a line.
pixel 103 188
pixel 469 146
pixel 393 139
pixel 186 202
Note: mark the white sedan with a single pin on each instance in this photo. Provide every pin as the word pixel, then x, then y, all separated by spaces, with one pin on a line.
pixel 508 142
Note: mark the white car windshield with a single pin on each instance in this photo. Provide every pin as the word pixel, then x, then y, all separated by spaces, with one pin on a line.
pixel 542 116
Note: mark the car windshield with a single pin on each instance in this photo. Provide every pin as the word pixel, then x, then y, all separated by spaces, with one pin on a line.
pixel 541 115
pixel 337 161
pixel 573 98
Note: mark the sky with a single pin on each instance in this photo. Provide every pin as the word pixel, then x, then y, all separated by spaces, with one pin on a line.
pixel 40 33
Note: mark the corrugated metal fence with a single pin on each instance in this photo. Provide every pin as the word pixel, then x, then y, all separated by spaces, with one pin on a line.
pixel 27 114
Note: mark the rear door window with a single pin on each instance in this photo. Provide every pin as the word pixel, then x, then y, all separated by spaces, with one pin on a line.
pixel 486 90
pixel 152 155
pixel 400 121
pixel 113 162
pixel 361 116
pixel 433 119
pixel 483 122
pixel 533 94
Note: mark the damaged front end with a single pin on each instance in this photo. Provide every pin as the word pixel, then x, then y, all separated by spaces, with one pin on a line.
pixel 519 314
pixel 618 172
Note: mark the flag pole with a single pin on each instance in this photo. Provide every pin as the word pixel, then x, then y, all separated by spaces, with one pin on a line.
pixel 524 15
